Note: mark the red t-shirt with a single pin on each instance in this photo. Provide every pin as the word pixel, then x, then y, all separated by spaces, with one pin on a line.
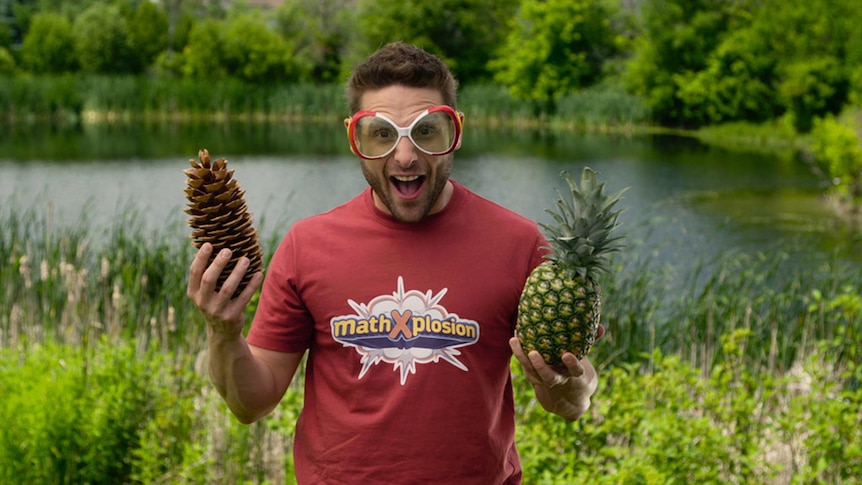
pixel 407 328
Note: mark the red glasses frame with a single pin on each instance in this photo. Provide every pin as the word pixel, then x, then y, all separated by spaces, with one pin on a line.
pixel 404 131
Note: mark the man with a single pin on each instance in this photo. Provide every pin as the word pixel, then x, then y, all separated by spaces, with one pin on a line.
pixel 405 299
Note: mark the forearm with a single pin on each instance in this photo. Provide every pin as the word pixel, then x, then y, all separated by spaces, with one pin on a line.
pixel 245 382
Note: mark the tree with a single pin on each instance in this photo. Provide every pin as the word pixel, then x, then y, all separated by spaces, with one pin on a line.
pixel 180 19
pixel 7 62
pixel 148 32
pixel 677 40
pixel 711 61
pixel 813 88
pixel 6 20
pixel 811 40
pixel 15 15
pixel 738 83
pixel 101 41
pixel 203 54
pixel 243 46
pixel 47 46
pixel 180 15
pixel 253 52
pixel 838 152
pixel 320 30
pixel 464 33
pixel 555 47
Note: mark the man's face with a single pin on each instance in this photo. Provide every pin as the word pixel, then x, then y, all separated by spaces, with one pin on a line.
pixel 407 183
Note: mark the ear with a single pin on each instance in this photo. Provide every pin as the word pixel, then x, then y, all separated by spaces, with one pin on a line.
pixel 347 122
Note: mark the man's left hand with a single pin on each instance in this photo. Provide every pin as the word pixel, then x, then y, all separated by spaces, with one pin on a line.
pixel 563 390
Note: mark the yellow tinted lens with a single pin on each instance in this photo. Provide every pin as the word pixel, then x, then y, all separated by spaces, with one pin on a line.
pixel 434 132
pixel 374 136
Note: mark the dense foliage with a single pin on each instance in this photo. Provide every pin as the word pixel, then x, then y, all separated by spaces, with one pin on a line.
pixel 838 155
pixel 752 376
pixel 673 63
pixel 555 47
pixel 692 62
pixel 104 332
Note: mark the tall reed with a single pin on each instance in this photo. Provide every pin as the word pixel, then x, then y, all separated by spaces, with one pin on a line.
pixel 119 98
pixel 66 282
pixel 700 380
pixel 783 302
pixel 70 284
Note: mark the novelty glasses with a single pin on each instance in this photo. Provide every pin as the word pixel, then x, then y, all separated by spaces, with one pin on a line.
pixel 436 131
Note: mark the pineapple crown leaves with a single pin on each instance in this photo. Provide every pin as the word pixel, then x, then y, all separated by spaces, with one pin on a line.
pixel 581 240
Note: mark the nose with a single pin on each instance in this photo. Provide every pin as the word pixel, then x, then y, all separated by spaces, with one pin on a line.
pixel 405 153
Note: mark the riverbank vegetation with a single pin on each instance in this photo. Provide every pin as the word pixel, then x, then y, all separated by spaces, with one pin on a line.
pixel 749 374
pixel 746 372
pixel 689 63
pixel 718 69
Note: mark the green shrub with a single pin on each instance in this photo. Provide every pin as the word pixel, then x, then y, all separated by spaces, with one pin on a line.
pixel 113 413
pixel 660 422
pixel 665 421
pixel 73 415
pixel 814 87
pixel 837 150
pixel 46 45
pixel 7 61
pixel 823 418
pixel 193 438
pixel 750 374
pixel 101 41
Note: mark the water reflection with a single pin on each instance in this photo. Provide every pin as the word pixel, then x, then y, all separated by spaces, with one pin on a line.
pixel 686 201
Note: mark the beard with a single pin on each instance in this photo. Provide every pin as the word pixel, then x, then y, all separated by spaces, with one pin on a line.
pixel 412 210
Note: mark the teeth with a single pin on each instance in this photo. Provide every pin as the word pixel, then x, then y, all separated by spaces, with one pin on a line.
pixel 402 178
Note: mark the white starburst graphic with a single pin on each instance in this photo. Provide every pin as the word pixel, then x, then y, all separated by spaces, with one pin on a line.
pixel 404 329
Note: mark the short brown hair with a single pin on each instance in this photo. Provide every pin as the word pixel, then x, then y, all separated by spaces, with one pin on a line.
pixel 400 63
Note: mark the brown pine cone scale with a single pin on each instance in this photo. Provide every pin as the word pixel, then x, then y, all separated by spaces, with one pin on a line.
pixel 219 215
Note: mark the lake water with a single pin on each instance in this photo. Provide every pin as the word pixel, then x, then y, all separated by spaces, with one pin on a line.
pixel 685 202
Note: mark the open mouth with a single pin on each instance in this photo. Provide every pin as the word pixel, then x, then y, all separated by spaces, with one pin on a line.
pixel 408 186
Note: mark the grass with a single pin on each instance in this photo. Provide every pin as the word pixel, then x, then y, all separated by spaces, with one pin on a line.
pixel 87 99
pixel 699 385
pixel 746 372
pixel 77 99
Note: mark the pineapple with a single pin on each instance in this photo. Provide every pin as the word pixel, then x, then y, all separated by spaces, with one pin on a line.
pixel 560 306
pixel 220 216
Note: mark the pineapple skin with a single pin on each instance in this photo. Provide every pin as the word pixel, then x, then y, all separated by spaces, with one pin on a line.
pixel 560 306
pixel 558 313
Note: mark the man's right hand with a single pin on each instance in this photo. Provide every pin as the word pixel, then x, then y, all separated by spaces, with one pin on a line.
pixel 225 316
pixel 251 380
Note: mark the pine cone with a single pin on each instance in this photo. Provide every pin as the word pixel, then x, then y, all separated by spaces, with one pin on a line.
pixel 220 216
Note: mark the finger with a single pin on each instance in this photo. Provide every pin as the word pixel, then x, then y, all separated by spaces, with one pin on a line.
pixel 519 354
pixel 600 332
pixel 210 276
pixel 248 291
pixel 197 268
pixel 573 364
pixel 545 373
pixel 231 283
pixel 525 361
